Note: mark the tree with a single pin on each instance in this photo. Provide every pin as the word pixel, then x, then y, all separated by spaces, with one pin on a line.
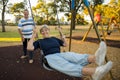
pixel 96 2
pixel 4 4
pixel 108 11
pixel 66 7
pixel 17 10
pixel 44 10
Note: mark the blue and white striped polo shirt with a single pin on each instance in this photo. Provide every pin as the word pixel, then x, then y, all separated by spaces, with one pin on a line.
pixel 27 26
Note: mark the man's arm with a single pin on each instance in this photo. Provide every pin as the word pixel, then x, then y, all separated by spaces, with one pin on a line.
pixel 20 32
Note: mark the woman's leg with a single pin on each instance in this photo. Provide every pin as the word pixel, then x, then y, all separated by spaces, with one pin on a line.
pixel 84 59
pixel 88 71
pixel 61 64
pixel 91 58
pixel 100 53
pixel 76 58
pixel 57 62
pixel 99 72
pixel 99 56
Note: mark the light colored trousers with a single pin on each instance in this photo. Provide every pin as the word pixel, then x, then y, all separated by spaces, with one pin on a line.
pixel 69 63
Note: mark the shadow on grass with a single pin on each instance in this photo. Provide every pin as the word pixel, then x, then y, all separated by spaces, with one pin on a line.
pixel 111 43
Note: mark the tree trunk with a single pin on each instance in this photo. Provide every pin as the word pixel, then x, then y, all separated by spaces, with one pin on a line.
pixel 3 19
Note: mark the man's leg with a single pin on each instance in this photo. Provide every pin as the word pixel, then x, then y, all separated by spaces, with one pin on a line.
pixel 24 49
pixel 31 56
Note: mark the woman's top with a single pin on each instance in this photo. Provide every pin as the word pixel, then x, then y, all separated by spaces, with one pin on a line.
pixel 49 45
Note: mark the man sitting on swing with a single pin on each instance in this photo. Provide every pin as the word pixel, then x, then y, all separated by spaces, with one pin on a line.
pixel 69 63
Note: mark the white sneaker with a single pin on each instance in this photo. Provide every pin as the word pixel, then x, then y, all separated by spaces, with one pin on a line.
pixel 100 53
pixel 102 70
pixel 31 61
pixel 23 57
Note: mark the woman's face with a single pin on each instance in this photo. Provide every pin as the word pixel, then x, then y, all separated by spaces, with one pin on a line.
pixel 45 32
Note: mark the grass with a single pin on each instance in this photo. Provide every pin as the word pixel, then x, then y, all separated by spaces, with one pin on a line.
pixel 12 32
pixel 9 34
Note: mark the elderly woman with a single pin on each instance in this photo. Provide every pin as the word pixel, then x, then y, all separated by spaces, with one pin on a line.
pixel 70 63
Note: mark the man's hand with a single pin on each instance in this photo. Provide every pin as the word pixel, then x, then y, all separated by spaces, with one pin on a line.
pixel 22 39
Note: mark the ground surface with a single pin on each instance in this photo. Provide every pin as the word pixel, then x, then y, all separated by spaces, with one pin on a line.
pixel 14 68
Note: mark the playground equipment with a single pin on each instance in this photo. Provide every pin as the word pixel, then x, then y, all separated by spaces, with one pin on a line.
pixel 94 25
pixel 97 20
pixel 110 28
pixel 112 25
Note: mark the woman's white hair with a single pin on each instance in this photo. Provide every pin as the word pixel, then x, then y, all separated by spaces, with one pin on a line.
pixel 44 26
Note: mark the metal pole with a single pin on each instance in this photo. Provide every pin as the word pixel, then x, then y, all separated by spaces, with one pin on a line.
pixel 96 28
pixel 71 27
pixel 31 10
pixel 87 32
pixel 61 34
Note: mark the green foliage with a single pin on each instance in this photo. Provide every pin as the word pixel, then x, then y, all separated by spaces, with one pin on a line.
pixel 97 2
pixel 11 24
pixel 17 8
pixel 109 11
pixel 38 20
pixel 80 20
pixel 52 21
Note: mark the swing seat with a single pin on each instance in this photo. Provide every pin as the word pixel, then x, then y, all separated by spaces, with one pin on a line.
pixel 46 67
pixel 109 32
pixel 45 64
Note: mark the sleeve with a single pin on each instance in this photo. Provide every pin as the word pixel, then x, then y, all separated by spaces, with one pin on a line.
pixel 36 45
pixel 60 41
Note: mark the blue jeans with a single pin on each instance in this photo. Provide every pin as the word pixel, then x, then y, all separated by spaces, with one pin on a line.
pixel 69 63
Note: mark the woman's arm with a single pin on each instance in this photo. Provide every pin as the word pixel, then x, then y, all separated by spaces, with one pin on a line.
pixel 30 46
pixel 64 40
pixel 62 37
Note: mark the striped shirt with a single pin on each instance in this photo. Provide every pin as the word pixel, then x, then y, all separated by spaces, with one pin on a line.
pixel 26 26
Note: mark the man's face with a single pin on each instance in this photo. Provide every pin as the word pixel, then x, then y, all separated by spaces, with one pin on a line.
pixel 26 13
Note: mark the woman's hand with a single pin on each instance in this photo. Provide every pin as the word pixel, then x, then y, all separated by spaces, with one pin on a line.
pixel 62 36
